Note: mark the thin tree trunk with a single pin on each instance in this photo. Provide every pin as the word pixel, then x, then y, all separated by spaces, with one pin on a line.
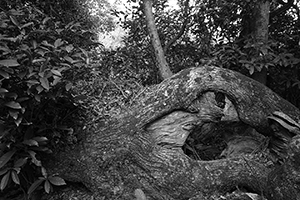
pixel 261 32
pixel 163 66
pixel 255 24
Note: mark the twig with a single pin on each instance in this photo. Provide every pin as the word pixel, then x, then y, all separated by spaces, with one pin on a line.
pixel 120 89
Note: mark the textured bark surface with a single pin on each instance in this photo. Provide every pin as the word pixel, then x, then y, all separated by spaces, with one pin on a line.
pixel 162 64
pixel 142 148
pixel 261 33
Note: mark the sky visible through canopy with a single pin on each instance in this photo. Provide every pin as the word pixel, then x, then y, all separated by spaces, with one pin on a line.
pixel 113 39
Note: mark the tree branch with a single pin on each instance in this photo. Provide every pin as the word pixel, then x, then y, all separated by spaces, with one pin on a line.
pixel 182 29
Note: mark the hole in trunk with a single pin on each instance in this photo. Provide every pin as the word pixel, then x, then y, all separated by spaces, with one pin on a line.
pixel 204 143
pixel 222 140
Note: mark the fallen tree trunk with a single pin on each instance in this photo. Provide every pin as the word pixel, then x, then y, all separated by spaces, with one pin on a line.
pixel 141 152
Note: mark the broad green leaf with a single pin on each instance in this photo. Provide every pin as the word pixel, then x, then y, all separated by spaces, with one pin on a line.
pixel 45 83
pixel 47 186
pixel 69 48
pixel 10 70
pixel 68 86
pixel 3 171
pixel 21 75
pixel 34 44
pixel 11 95
pixel 14 21
pixel 56 72
pixel 18 121
pixel 6 157
pixel 9 63
pixel 13 104
pixel 17 169
pixel 5 49
pixel 55 180
pixel 31 142
pixel 69 59
pixel 3 24
pixel 37 98
pixel 87 61
pixel 41 140
pixel 23 111
pixel 4 181
pixel 3 134
pixel 32 82
pixel 14 114
pixel 44 172
pixel 39 89
pixel 56 80
pixel 3 90
pixel 15 177
pixel 20 162
pixel 4 74
pixel 49 151
pixel 42 72
pixel 33 158
pixel 58 43
pixel 67 66
pixel 35 185
pixel 139 194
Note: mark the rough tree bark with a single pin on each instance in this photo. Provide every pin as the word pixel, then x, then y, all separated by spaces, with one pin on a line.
pixel 163 66
pixel 261 36
pixel 140 153
pixel 255 24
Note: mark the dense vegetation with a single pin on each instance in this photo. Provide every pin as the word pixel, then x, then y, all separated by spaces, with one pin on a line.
pixel 41 57
pixel 52 69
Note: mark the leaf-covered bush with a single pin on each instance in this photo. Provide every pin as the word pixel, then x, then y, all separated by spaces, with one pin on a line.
pixel 39 60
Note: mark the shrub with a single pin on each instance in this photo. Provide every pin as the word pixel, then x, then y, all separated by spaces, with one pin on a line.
pixel 38 63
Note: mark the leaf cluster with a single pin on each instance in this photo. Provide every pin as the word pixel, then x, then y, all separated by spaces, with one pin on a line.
pixel 39 60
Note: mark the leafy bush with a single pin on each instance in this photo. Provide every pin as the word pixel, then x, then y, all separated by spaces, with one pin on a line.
pixel 38 62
